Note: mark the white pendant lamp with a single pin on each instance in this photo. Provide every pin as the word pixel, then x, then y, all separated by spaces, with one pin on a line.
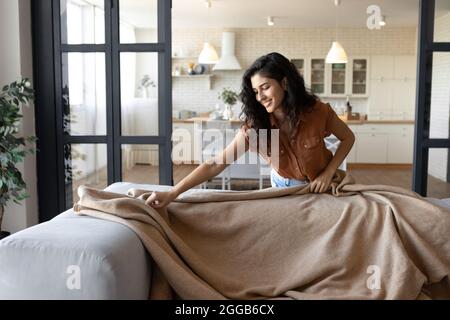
pixel 208 55
pixel 337 53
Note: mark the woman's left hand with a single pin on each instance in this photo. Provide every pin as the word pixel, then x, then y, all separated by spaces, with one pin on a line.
pixel 322 182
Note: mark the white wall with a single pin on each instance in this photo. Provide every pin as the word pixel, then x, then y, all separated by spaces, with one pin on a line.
pixel 192 94
pixel 16 60
pixel 440 100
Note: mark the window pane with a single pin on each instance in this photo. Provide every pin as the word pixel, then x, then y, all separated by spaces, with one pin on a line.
pixel 139 93
pixel 438 173
pixel 442 21
pixel 84 93
pixel 85 164
pixel 139 21
pixel 140 163
pixel 82 21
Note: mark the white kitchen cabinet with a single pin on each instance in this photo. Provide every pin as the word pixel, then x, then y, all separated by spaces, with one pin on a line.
pixel 359 77
pixel 392 88
pixel 404 98
pixel 351 157
pixel 400 148
pixel 382 67
pixel 317 76
pixel 371 147
pixel 300 65
pixel 405 67
pixel 400 144
pixel 380 96
pixel 382 143
pixel 337 84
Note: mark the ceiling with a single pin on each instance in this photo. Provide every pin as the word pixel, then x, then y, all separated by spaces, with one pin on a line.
pixel 290 13
pixel 286 13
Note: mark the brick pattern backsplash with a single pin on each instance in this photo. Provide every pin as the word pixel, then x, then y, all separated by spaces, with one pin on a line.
pixel 193 94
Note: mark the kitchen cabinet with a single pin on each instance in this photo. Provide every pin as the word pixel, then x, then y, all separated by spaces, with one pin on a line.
pixel 382 143
pixel 405 67
pixel 392 88
pixel 351 78
pixel 317 76
pixel 359 77
pixel 335 80
pixel 401 144
pixel 351 157
pixel 382 67
pixel 300 65
pixel 371 148
pixel 338 84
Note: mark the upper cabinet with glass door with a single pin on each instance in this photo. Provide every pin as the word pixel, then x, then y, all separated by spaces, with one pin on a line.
pixel 300 65
pixel 350 78
pixel 338 79
pixel 318 76
pixel 359 77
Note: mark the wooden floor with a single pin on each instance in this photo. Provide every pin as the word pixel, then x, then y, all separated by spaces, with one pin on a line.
pixel 395 176
pixel 401 177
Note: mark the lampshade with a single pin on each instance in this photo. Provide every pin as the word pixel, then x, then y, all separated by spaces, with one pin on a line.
pixel 336 54
pixel 208 55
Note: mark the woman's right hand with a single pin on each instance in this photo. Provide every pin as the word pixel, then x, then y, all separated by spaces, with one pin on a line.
pixel 160 199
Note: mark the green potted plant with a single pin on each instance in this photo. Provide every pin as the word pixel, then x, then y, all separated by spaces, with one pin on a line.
pixel 229 98
pixel 13 148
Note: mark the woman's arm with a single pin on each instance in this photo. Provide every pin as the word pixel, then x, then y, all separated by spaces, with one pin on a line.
pixel 202 173
pixel 347 138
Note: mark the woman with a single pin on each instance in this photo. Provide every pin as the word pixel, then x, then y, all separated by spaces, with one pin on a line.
pixel 274 97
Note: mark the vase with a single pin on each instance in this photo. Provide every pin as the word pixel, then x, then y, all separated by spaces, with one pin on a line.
pixel 227 113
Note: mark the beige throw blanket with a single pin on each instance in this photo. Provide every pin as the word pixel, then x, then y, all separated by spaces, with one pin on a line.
pixel 354 242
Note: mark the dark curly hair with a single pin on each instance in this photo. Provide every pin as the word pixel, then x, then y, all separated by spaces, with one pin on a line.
pixel 297 98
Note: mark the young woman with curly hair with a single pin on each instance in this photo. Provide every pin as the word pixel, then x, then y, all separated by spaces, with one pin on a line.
pixel 274 97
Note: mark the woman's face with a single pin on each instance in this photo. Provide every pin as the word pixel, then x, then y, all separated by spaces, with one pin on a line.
pixel 268 92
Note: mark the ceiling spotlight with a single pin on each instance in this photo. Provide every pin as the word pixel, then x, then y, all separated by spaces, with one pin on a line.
pixel 208 3
pixel 383 21
pixel 270 21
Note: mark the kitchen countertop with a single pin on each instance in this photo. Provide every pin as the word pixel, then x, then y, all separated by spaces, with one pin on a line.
pixel 361 121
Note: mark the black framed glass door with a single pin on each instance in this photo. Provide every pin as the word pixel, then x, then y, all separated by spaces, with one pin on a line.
pixel 103 95
pixel 432 133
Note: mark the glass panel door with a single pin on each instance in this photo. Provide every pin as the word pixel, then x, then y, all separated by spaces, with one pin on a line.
pixel 145 117
pixel 338 78
pixel 138 21
pixel 318 76
pixel 82 21
pixel 112 72
pixel 359 76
